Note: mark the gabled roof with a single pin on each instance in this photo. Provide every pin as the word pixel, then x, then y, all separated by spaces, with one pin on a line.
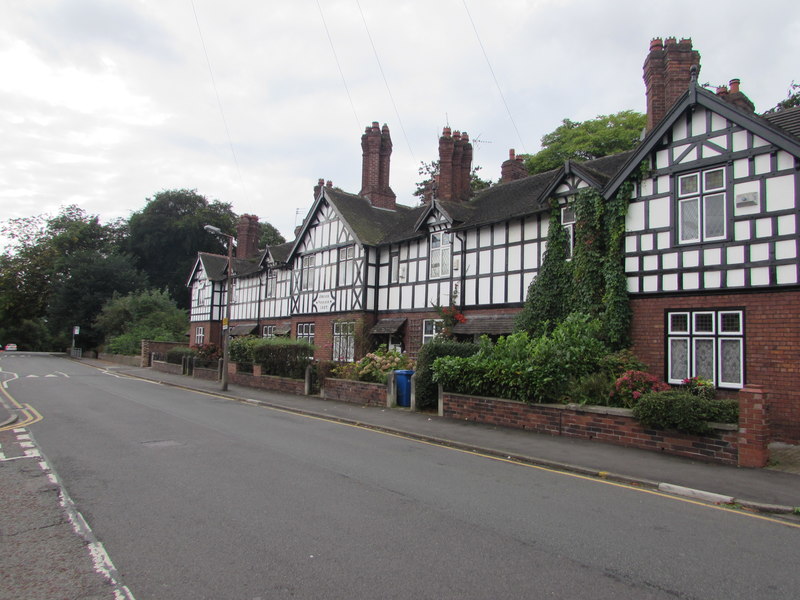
pixel 697 95
pixel 787 119
pixel 214 266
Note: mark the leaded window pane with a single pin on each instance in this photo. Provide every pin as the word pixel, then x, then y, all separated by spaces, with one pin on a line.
pixel 567 215
pixel 704 322
pixel 714 217
pixel 713 180
pixel 704 359
pixel 690 220
pixel 678 359
pixel 730 322
pixel 688 185
pixel 679 323
pixel 730 351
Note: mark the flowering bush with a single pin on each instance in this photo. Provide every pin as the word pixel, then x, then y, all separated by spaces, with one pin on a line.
pixel 375 366
pixel 450 315
pixel 631 385
pixel 700 387
pixel 208 351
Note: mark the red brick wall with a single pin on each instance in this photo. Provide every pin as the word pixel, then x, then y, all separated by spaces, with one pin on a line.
pixel 356 392
pixel 613 426
pixel 269 382
pixel 772 346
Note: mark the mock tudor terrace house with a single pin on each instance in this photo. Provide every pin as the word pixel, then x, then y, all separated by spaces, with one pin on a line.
pixel 711 248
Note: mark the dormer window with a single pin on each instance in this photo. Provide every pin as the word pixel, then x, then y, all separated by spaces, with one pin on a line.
pixel 440 255
pixel 701 207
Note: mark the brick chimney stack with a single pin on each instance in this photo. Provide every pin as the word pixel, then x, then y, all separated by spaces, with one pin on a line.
pixel 455 165
pixel 667 74
pixel 736 96
pixel 376 147
pixel 512 169
pixel 247 234
pixel 318 188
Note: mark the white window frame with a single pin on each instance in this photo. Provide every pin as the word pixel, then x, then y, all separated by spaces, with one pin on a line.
pixel 695 335
pixel 272 284
pixel 200 335
pixel 344 341
pixel 268 331
pixel 307 272
pixel 696 190
pixel 431 328
pixel 305 332
pixel 568 219
pixel 346 266
pixel 439 255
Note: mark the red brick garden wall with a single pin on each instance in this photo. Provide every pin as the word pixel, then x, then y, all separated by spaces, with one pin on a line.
pixel 611 425
pixel 772 346
pixel 356 392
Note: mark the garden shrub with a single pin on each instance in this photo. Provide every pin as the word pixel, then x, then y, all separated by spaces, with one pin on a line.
pixel 282 357
pixel 427 390
pixel 616 363
pixel 375 366
pixel 519 367
pixel 240 349
pixel 632 385
pixel 594 388
pixel 176 355
pixel 701 387
pixel 684 411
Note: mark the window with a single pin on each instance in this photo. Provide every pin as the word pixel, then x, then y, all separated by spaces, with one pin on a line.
pixel 344 341
pixel 568 223
pixel 440 255
pixel 346 266
pixel 394 268
pixel 307 274
pixel 707 344
pixel 701 207
pixel 430 329
pixel 272 284
pixel 200 336
pixel 268 331
pixel 305 332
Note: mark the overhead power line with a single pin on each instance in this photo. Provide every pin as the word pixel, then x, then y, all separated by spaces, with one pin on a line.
pixel 339 66
pixel 219 101
pixel 494 77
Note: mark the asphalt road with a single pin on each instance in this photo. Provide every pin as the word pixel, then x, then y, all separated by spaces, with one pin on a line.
pixel 199 497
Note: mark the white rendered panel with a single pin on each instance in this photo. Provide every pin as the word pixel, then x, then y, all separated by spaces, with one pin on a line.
pixel 759 276
pixel 786 274
pixel 780 193
pixel 515 288
pixel 659 212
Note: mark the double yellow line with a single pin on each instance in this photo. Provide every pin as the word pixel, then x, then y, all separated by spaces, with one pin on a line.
pixel 28 414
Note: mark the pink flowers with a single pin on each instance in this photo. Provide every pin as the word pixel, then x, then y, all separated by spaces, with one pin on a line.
pixel 631 385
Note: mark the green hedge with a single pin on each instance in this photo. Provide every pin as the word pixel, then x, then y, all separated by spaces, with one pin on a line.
pixel 519 367
pixel 282 357
pixel 684 411
pixel 427 390
pixel 176 355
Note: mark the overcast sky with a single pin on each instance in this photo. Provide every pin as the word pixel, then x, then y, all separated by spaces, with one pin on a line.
pixel 103 103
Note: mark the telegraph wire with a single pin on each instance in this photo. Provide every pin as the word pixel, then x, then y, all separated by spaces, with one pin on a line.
pixel 219 100
pixel 339 66
pixel 491 70
pixel 386 83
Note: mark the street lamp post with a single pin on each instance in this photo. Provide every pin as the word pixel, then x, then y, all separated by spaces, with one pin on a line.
pixel 226 323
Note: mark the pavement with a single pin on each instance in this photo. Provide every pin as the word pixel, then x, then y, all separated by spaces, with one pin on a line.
pixel 769 490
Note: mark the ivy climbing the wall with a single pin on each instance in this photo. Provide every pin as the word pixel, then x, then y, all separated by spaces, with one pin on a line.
pixel 593 282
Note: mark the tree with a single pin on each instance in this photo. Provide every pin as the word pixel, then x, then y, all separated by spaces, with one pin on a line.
pixel 269 236
pixel 166 235
pixel 125 320
pixel 88 282
pixel 41 256
pixel 573 140
pixel 430 171
pixel 792 99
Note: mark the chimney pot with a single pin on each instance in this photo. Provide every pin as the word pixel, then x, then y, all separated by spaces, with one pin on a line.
pixel 734 83
pixel 656 44
pixel 329 184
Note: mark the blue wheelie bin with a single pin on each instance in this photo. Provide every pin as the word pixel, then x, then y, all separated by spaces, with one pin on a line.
pixel 403 379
